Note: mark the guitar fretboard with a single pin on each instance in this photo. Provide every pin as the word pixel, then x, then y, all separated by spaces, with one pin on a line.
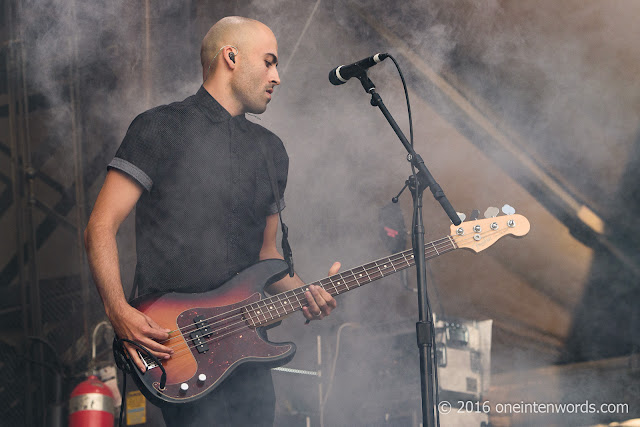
pixel 274 308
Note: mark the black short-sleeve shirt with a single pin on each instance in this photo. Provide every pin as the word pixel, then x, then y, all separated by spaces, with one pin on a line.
pixel 208 193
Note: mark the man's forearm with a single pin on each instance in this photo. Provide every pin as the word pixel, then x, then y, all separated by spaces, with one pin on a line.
pixel 128 323
pixel 102 254
pixel 287 282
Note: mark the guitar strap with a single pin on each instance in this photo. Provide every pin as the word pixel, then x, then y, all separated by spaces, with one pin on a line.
pixel 271 169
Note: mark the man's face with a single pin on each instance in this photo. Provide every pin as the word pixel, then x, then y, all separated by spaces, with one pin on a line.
pixel 256 74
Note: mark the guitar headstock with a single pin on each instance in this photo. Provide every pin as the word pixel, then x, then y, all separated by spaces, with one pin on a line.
pixel 480 234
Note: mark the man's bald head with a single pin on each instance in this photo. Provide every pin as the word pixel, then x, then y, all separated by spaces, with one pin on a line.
pixel 239 64
pixel 230 31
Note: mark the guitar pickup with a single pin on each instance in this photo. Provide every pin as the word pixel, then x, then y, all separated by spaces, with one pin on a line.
pixel 202 325
pixel 200 334
pixel 201 345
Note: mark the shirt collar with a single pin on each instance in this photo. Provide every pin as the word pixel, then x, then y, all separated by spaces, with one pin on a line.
pixel 216 112
pixel 210 106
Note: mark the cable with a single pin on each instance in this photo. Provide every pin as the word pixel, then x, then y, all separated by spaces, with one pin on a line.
pixel 122 405
pixel 406 95
pixel 333 369
pixel 124 363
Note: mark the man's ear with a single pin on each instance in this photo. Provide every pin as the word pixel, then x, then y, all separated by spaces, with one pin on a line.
pixel 230 57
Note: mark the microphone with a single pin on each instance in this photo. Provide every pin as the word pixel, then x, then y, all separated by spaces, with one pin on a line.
pixel 341 74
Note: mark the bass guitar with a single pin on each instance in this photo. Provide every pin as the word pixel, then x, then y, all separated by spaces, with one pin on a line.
pixel 213 333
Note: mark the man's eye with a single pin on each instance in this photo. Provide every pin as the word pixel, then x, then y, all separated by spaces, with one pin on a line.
pixel 269 64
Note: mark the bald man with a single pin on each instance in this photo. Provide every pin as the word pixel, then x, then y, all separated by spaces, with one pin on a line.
pixel 205 209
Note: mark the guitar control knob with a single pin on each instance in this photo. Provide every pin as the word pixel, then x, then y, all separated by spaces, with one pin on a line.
pixel 202 378
pixel 184 387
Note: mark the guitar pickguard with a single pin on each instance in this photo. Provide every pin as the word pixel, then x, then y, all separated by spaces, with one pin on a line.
pixel 213 339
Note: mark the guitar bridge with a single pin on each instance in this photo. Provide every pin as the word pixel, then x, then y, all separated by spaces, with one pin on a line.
pixel 148 362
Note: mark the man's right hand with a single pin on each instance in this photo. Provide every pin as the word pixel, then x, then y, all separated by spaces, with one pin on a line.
pixel 134 325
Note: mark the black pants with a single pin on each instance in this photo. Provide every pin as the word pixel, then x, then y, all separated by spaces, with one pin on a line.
pixel 245 398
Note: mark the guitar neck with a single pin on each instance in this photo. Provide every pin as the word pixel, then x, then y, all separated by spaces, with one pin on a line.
pixel 280 305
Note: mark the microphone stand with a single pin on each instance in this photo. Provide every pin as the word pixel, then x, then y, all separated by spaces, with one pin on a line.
pixel 424 326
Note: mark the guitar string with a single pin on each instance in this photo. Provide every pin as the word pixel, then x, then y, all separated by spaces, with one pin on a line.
pixel 352 279
pixel 265 302
pixel 242 325
pixel 331 279
pixel 344 286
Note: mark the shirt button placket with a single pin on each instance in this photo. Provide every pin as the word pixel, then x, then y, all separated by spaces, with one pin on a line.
pixel 234 180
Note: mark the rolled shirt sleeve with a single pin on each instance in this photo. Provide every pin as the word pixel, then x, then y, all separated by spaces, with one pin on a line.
pixel 141 153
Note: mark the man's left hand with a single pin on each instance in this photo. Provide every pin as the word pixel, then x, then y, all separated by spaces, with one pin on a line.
pixel 320 301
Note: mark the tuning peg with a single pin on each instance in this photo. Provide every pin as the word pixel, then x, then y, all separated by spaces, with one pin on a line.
pixel 461 216
pixel 491 212
pixel 474 214
pixel 508 210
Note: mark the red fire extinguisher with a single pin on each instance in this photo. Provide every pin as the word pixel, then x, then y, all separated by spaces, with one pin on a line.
pixel 91 404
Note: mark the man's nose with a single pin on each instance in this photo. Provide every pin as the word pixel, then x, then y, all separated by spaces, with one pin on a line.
pixel 275 78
